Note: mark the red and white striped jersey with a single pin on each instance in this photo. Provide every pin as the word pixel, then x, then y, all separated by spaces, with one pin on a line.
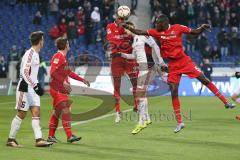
pixel 29 67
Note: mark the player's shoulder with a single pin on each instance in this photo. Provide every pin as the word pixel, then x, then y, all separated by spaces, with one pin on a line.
pixel 111 25
pixel 178 26
pixel 28 53
pixel 57 57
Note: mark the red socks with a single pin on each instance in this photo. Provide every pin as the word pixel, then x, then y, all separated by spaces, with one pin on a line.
pixel 176 108
pixel 52 125
pixel 66 122
pixel 217 93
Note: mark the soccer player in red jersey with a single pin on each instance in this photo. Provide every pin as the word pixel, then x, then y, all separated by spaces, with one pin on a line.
pixel 59 90
pixel 170 38
pixel 120 42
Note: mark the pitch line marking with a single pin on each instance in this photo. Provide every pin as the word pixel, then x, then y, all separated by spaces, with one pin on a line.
pixel 95 119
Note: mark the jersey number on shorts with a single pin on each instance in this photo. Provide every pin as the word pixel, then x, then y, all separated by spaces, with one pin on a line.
pixel 23 104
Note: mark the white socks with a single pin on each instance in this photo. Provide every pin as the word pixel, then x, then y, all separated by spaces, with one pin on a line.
pixel 143 110
pixel 36 127
pixel 16 123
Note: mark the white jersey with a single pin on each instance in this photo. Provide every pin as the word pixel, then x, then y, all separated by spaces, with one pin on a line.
pixel 29 67
pixel 139 50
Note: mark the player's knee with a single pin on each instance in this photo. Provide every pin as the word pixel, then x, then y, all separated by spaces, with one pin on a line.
pixel 21 114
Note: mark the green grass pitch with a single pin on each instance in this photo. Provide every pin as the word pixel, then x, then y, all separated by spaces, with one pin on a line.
pixel 211 132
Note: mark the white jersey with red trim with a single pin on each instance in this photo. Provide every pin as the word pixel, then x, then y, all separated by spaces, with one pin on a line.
pixel 29 67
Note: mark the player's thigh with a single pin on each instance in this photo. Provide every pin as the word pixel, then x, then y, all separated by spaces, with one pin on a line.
pixel 174 77
pixel 21 101
pixel 32 98
pixel 192 71
pixel 117 67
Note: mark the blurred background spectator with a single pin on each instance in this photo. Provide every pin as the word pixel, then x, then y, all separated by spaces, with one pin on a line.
pixel 3 67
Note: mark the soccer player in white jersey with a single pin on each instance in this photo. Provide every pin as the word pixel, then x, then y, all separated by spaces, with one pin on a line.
pixel 28 92
pixel 145 75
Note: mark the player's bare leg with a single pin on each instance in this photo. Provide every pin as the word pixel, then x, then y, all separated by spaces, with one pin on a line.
pixel 214 89
pixel 176 106
pixel 40 142
pixel 15 126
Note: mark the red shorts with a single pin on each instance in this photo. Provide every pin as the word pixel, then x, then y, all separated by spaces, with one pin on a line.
pixel 120 65
pixel 58 97
pixel 182 66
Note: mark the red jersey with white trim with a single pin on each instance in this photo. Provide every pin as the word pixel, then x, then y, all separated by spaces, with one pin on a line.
pixel 118 39
pixel 29 67
pixel 171 40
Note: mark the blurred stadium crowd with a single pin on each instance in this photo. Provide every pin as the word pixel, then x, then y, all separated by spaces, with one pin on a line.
pixel 222 44
pixel 84 22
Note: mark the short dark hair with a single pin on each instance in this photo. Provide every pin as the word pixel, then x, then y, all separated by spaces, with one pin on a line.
pixel 36 37
pixel 61 43
pixel 162 18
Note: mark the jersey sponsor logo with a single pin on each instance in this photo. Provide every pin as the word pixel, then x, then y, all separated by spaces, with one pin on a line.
pixel 168 36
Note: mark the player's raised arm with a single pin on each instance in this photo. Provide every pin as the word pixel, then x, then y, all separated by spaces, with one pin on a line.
pixel 200 29
pixel 128 56
pixel 134 30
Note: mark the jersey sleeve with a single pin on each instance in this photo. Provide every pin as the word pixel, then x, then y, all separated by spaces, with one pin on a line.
pixel 150 41
pixel 184 29
pixel 128 56
pixel 27 62
pixel 152 32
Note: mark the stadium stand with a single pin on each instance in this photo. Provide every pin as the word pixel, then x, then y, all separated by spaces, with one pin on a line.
pixel 223 15
pixel 20 18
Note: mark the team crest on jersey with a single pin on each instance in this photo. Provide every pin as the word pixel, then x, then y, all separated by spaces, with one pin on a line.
pixel 55 61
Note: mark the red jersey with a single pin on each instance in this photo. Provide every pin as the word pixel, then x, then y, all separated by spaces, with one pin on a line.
pixel 171 40
pixel 60 72
pixel 118 39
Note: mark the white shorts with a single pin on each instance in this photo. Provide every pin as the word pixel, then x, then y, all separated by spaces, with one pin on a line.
pixel 143 79
pixel 25 100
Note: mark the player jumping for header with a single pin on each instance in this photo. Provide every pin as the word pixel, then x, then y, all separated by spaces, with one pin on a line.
pixel 170 38
pixel 145 75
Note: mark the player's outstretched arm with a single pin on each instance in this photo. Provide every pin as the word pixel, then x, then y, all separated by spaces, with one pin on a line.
pixel 200 29
pixel 134 30
pixel 78 78
pixel 128 56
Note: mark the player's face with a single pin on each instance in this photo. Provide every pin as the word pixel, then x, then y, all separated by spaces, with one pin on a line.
pixel 161 25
